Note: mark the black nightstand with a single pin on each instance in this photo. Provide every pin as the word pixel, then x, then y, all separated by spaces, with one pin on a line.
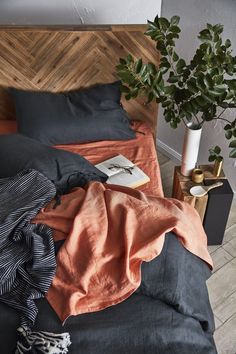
pixel 217 211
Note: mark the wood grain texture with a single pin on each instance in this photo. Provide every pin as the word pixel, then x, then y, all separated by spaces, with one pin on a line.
pixel 221 284
pixel 227 308
pixel 220 257
pixel 181 188
pixel 61 59
pixel 225 337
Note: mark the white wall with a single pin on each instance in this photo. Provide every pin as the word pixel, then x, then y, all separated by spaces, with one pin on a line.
pixel 194 15
pixel 78 11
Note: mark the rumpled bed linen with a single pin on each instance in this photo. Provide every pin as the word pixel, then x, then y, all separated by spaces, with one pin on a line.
pixel 168 314
pixel 141 151
pixel 27 257
pixel 109 231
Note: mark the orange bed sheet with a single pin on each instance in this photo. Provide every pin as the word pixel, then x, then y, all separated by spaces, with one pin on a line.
pixel 141 151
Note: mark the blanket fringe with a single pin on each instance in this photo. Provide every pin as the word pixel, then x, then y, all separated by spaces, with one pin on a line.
pixel 41 342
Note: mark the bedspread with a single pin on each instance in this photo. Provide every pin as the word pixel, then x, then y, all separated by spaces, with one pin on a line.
pixel 109 231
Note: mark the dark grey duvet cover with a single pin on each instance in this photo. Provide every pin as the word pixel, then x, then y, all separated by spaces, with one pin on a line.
pixel 168 314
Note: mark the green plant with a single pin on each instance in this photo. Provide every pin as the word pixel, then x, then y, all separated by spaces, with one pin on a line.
pixel 215 154
pixel 197 92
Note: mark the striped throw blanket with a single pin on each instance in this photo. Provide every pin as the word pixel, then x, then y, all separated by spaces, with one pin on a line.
pixel 27 259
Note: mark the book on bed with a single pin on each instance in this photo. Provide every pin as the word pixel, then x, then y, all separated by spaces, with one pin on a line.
pixel 123 172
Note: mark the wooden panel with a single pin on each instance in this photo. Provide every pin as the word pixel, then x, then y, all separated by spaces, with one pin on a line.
pixel 63 59
pixel 181 187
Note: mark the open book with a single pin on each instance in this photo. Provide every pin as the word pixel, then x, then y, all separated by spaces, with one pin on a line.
pixel 123 172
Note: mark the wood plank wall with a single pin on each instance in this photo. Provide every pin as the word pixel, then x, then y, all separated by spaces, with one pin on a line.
pixel 61 58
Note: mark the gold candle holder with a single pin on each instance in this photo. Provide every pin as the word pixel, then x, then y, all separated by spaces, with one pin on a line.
pixel 197 175
pixel 217 168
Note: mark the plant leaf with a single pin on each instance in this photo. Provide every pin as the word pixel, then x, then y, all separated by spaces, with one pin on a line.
pixel 208 81
pixel 228 134
pixel 164 23
pixel 175 56
pixel 143 70
pixel 192 87
pixel 169 90
pixel 174 20
pixel 138 65
pixel 173 124
pixel 150 97
pixel 217 149
pixel 232 153
pixel 128 97
pixel 200 101
pixel 122 61
pixel 200 84
pixel 172 79
pixel 124 89
pixel 227 127
pixel 174 29
pixel 129 59
pixel 180 65
pixel 218 28
pixel 227 43
pixel 211 158
pixel 152 25
pixel 232 144
pixel 166 104
pixel 216 93
pixel 205 35
pixel 208 98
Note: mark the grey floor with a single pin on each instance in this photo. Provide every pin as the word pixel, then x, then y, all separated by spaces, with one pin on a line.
pixel 222 284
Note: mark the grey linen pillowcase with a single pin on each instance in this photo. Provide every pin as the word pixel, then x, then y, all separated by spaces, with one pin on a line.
pixel 78 116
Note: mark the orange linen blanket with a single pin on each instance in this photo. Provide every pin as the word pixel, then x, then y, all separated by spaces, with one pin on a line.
pixel 109 231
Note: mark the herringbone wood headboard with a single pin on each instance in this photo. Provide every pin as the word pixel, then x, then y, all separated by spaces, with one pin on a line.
pixel 60 59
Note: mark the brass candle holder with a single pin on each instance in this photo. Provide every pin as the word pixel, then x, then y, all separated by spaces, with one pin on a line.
pixel 217 168
pixel 197 175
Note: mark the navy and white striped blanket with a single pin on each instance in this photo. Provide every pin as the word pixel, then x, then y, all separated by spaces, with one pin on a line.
pixel 27 259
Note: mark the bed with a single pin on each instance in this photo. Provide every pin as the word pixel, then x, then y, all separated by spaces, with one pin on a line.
pixel 165 306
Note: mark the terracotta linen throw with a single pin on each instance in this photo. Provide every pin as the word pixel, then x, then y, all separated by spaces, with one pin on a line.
pixel 109 231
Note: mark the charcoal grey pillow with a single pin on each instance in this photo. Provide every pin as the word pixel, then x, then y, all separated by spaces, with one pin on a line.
pixel 90 114
pixel 65 169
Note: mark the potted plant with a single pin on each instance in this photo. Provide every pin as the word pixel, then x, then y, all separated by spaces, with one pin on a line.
pixel 191 93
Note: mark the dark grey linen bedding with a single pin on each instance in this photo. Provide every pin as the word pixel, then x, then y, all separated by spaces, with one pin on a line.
pixel 169 313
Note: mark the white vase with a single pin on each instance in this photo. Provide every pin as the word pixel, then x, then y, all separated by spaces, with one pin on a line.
pixel 190 148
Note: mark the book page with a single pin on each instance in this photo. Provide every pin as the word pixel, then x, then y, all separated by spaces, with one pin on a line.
pixel 123 172
pixel 107 166
pixel 137 178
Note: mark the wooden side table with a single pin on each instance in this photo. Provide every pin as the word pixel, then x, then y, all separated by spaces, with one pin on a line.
pixel 182 185
pixel 213 208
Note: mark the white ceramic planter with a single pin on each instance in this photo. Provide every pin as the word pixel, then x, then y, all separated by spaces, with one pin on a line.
pixel 190 148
